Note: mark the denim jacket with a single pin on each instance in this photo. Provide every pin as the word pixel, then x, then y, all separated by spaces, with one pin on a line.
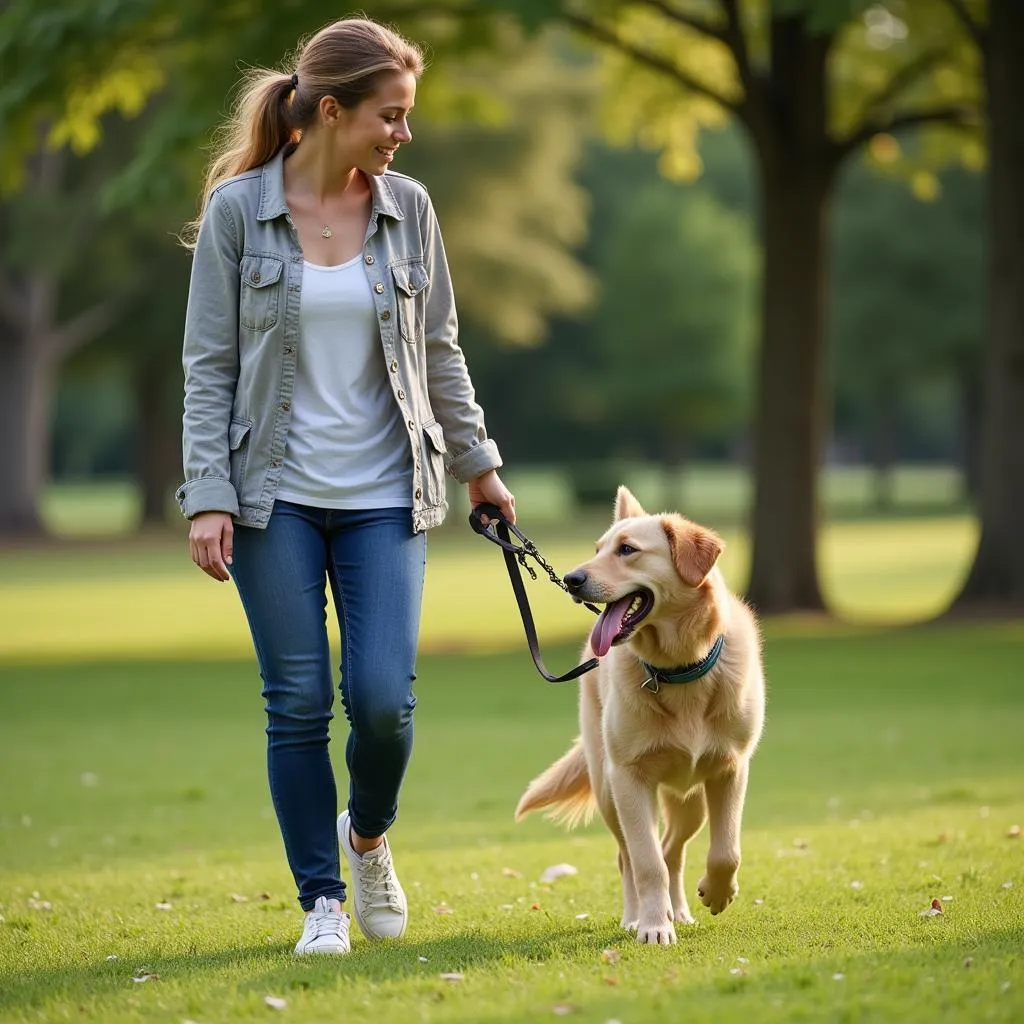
pixel 242 336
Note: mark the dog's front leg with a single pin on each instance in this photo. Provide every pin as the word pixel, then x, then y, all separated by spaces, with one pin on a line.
pixel 725 796
pixel 637 810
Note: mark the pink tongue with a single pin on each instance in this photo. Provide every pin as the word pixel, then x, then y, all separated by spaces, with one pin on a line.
pixel 609 625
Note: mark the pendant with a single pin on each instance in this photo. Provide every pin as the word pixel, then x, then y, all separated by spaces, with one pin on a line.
pixel 326 231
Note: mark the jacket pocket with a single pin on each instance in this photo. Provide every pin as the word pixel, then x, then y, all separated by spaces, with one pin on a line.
pixel 260 299
pixel 239 432
pixel 433 466
pixel 411 282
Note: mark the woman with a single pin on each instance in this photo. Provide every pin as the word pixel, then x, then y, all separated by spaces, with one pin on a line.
pixel 325 395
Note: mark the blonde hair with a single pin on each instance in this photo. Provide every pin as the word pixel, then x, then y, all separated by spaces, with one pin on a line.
pixel 345 59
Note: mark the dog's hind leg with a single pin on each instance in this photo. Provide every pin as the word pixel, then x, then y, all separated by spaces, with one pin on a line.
pixel 684 816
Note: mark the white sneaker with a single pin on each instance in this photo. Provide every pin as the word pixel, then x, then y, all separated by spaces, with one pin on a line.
pixel 326 929
pixel 380 904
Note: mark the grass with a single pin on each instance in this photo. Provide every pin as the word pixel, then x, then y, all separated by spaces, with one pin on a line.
pixel 131 775
pixel 890 775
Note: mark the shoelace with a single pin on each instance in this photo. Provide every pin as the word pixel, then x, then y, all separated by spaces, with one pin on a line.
pixel 378 887
pixel 329 924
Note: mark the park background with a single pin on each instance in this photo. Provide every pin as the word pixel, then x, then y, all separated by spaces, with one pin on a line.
pixel 758 260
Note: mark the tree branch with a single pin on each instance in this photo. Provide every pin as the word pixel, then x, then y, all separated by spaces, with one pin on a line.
pixel 964 116
pixel 84 328
pixel 974 30
pixel 12 306
pixel 682 18
pixel 605 35
pixel 737 41
pixel 902 80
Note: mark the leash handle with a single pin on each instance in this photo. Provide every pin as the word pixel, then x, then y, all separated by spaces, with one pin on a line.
pixel 512 554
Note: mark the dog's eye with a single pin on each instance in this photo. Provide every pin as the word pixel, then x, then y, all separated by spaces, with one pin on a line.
pixel 626 549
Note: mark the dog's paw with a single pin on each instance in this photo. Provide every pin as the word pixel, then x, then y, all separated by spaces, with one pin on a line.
pixel 683 916
pixel 656 933
pixel 629 924
pixel 717 893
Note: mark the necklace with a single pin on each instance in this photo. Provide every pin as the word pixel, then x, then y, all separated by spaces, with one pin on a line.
pixel 326 231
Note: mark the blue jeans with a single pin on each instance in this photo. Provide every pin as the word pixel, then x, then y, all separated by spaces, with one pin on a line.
pixel 375 566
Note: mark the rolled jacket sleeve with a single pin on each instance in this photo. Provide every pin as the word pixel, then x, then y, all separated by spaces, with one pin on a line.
pixel 210 360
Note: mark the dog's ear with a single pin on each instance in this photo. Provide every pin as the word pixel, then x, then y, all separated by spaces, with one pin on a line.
pixel 626 505
pixel 695 549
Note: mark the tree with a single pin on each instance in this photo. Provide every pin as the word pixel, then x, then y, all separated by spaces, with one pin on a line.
pixel 907 286
pixel 996 579
pixel 811 81
pixel 674 329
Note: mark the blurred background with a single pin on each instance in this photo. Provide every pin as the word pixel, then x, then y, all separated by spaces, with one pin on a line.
pixel 755 260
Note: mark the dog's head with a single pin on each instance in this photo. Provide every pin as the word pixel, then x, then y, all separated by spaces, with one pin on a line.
pixel 647 569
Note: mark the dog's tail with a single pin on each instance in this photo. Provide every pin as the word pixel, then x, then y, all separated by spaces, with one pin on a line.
pixel 565 788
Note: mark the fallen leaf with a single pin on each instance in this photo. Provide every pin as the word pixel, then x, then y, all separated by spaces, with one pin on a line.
pixel 856 884
pixel 163 906
pixel 1013 832
pixel 453 977
pixel 610 956
pixel 507 906
pixel 424 960
pixel 265 896
pixel 582 917
pixel 557 871
pixel 89 778
pixel 947 899
pixel 736 971
pixel 511 873
pixel 35 903
pixel 536 906
pixel 1007 885
pixel 611 981
pixel 237 897
pixel 144 976
pixel 443 908
pixel 759 902
pixel 1005 987
pixel 475 875
pixel 564 1009
pixel 838 976
pixel 275 1002
pixel 969 961
pixel 113 956
pixel 742 960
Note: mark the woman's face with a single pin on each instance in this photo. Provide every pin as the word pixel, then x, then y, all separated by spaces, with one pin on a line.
pixel 369 134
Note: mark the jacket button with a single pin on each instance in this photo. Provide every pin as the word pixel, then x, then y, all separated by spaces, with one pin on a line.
pixel 369 258
pixel 379 288
pixel 255 277
pixel 401 395
pixel 386 315
pixel 394 366
pixel 419 493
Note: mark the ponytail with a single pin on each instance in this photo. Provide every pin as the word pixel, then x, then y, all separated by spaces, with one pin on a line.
pixel 257 128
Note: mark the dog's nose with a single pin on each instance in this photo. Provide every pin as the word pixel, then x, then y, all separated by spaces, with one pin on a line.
pixel 574 580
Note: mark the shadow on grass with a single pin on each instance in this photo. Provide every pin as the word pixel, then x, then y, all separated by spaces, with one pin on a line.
pixel 275 968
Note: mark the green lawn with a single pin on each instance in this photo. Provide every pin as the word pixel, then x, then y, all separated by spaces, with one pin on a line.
pixel 890 775
pixel 136 835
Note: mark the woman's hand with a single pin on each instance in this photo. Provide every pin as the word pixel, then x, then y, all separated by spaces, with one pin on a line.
pixel 210 543
pixel 489 488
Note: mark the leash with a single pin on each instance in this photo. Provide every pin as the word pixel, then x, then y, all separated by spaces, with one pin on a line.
pixel 500 531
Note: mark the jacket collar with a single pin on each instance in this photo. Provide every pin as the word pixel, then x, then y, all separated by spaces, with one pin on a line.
pixel 272 202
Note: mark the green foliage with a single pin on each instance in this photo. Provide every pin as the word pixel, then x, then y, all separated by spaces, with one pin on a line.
pixel 674 332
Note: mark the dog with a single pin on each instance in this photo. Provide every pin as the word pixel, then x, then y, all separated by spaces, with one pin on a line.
pixel 670 716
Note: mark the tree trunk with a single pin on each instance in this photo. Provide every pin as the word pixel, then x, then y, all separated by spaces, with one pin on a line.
pixel 790 418
pixel 158 455
pixel 883 444
pixel 26 394
pixel 996 580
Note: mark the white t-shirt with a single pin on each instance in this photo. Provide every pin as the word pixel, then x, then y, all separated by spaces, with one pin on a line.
pixel 347 444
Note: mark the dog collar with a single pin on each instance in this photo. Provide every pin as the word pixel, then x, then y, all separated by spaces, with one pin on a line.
pixel 684 673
